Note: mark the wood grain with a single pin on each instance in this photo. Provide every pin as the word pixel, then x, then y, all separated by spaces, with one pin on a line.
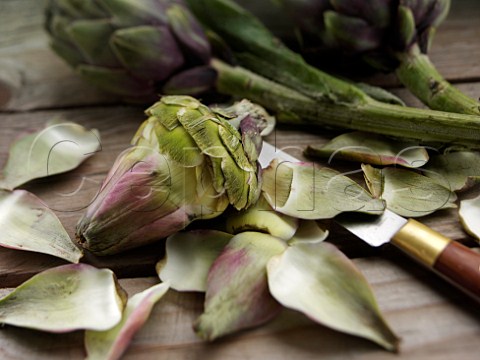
pixel 420 309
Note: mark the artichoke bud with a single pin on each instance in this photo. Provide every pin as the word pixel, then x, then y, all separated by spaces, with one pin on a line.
pixel 186 163
pixel 406 27
pixel 132 48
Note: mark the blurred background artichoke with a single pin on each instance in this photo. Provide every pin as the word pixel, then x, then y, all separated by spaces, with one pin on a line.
pixel 133 48
pixel 388 35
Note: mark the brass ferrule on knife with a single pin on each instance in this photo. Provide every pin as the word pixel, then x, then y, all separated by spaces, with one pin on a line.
pixel 421 242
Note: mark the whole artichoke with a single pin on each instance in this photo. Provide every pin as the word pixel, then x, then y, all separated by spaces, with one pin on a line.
pixel 132 48
pixel 389 35
pixel 187 162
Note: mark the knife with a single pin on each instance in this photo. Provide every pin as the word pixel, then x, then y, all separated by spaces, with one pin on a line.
pixel 451 260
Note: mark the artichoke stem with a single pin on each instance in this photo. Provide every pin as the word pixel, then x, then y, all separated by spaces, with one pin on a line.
pixel 371 116
pixel 420 76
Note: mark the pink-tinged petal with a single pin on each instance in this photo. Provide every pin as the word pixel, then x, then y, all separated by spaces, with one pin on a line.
pixel 237 292
pixel 65 298
pixel 318 280
pixel 111 344
pixel 26 223
pixel 371 149
pixel 189 257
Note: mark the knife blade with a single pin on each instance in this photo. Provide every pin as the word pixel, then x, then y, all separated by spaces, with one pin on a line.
pixel 451 260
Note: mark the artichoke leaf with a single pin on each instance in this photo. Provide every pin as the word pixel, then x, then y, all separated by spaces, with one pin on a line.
pixel 469 214
pixel 409 193
pixel 237 294
pixel 316 279
pixel 188 258
pixel 28 224
pixel 371 149
pixel 262 218
pixel 455 170
pixel 111 344
pixel 305 191
pixel 61 146
pixel 65 298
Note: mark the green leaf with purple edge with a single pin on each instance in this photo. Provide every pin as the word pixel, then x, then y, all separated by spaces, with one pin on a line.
pixel 237 294
pixel 371 149
pixel 111 344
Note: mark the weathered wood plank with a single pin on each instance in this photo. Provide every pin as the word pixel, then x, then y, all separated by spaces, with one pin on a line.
pixel 433 321
pixel 32 77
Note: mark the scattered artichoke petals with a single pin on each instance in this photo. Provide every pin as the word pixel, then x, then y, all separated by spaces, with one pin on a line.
pixel 411 194
pixel 469 214
pixel 189 256
pixel 65 298
pixel 111 344
pixel 371 149
pixel 59 147
pixel 318 280
pixel 262 218
pixel 309 231
pixel 305 191
pixel 28 224
pixel 455 170
pixel 237 292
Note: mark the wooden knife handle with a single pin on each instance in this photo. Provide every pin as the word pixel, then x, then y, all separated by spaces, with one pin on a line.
pixel 453 261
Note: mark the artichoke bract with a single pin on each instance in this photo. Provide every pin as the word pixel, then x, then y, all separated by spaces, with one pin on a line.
pixel 389 35
pixel 132 48
pixel 187 162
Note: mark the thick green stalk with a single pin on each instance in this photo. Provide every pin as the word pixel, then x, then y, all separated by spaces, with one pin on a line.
pixel 370 115
pixel 258 50
pixel 421 77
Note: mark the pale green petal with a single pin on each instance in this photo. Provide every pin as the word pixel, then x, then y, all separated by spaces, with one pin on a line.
pixel 237 293
pixel 411 194
pixel 306 191
pixel 456 170
pixel 188 258
pixel 371 149
pixel 58 148
pixel 318 280
pixel 470 215
pixel 28 224
pixel 111 344
pixel 65 298
pixel 262 218
pixel 309 231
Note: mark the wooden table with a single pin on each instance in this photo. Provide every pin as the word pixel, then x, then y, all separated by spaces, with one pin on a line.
pixel 433 319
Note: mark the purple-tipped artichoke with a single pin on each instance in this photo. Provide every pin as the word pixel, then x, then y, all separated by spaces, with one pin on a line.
pixel 187 162
pixel 132 48
pixel 389 35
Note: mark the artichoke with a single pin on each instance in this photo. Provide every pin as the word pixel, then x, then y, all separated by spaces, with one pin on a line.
pixel 135 49
pixel 187 162
pixel 388 35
